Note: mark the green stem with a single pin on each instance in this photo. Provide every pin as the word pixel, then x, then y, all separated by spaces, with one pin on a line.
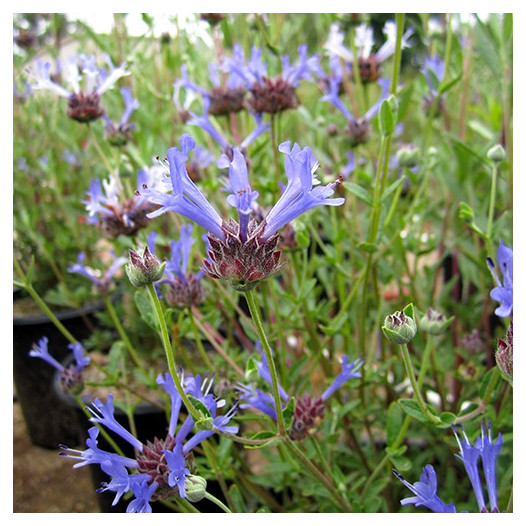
pixel 187 506
pixel 318 475
pixel 40 302
pixel 275 151
pixel 122 332
pixel 254 311
pixel 397 59
pixel 374 474
pixel 170 353
pixel 217 502
pixel 491 210
pixel 416 390
pixel 198 341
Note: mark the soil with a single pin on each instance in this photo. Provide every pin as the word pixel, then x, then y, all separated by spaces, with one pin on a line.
pixel 44 482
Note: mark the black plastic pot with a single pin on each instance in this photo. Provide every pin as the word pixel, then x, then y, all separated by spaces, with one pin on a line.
pixel 49 420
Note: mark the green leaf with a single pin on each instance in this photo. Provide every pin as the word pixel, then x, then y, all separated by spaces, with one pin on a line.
pixel 200 407
pixel 369 248
pixel 239 505
pixel 488 388
pixel 394 422
pixel 386 118
pixel 412 408
pixel 391 188
pixel 409 311
pixel 360 192
pixel 288 413
pixel 262 435
pixel 447 417
pixel 145 308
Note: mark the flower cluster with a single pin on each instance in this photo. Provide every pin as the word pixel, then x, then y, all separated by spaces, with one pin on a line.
pixel 110 208
pixel 70 377
pixel 308 411
pixel 83 103
pixel 244 251
pixel 160 469
pixel 102 283
pixel 267 94
pixel 369 63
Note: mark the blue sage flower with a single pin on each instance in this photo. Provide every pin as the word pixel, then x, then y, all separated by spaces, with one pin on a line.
pixel 503 292
pixel 102 283
pixel 425 492
pixel 272 95
pixel 483 454
pixel 369 63
pixel 115 212
pixel 357 128
pixel 206 125
pixel 119 133
pixel 159 469
pixel 243 253
pixel 224 98
pixel 308 412
pixel 70 377
pixel 83 103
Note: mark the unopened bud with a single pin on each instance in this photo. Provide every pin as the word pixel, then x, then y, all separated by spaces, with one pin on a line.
pixel 195 488
pixel 504 355
pixel 407 156
pixel 497 153
pixel 435 322
pixel 400 327
pixel 144 269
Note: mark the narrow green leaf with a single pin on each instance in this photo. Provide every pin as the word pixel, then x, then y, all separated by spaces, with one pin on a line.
pixel 360 192
pixel 412 408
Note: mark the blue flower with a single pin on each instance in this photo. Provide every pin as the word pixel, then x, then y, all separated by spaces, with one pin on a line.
pixel 97 80
pixel 119 133
pixel 357 127
pixel 243 253
pixel 186 198
pixel 484 452
pixel 206 125
pixel 83 104
pixel 487 451
pixel 115 212
pixel 40 350
pixel 302 192
pixel 159 468
pixel 349 370
pixel 308 412
pixel 143 493
pixel 425 492
pixel 178 469
pixel 364 41
pixel 503 292
pixel 101 282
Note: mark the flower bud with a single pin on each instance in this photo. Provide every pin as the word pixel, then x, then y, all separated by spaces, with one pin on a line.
pixel 497 153
pixel 144 269
pixel 195 488
pixel 435 322
pixel 400 327
pixel 407 156
pixel 504 355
